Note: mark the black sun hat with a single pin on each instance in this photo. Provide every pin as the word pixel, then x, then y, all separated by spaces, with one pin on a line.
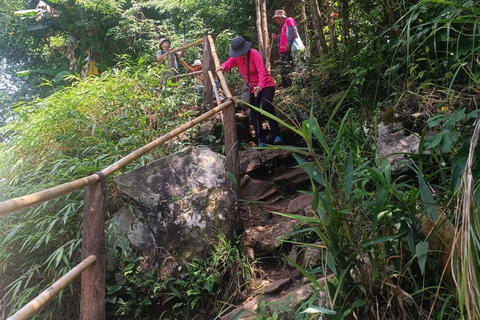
pixel 239 46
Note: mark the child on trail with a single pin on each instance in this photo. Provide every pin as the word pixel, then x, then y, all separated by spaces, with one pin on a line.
pixel 261 84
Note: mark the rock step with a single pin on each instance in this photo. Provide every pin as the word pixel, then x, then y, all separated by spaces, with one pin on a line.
pixel 292 299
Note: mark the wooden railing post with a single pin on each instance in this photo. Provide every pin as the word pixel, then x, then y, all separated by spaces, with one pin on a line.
pixel 229 125
pixel 208 65
pixel 172 71
pixel 92 299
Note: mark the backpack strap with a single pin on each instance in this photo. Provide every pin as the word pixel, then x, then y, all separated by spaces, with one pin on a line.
pixel 248 68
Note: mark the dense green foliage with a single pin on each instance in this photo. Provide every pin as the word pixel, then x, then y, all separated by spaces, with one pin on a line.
pixel 403 57
pixel 72 133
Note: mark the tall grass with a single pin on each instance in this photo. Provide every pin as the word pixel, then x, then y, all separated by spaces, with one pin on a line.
pixel 368 218
pixel 466 248
pixel 72 133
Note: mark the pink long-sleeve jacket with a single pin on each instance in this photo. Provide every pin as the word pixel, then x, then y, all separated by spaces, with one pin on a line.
pixel 259 75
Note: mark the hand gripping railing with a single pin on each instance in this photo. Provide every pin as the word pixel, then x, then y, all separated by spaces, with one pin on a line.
pixel 92 269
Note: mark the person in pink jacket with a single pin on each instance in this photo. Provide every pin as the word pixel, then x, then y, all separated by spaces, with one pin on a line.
pixel 287 37
pixel 260 82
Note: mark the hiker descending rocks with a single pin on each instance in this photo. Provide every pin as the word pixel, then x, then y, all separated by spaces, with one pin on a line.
pixel 258 79
pixel 287 37
pixel 165 49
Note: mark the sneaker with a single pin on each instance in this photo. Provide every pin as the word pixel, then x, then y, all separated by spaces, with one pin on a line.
pixel 277 140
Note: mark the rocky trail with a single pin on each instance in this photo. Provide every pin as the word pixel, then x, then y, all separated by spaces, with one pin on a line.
pixel 269 183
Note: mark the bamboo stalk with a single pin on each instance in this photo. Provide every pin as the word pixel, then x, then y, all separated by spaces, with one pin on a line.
pixel 217 95
pixel 33 306
pixel 194 43
pixel 189 74
pixel 220 75
pixel 261 43
pixel 263 11
pixel 17 204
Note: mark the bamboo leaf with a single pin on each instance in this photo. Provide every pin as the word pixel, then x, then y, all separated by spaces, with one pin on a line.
pixel 307 275
pixel 422 250
pixel 314 309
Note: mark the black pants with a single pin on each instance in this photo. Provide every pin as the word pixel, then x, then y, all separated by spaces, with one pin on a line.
pixel 264 101
pixel 286 69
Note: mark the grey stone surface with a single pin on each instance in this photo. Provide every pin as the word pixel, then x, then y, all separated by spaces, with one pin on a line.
pixel 254 189
pixel 299 203
pixel 180 203
pixel 311 256
pixel 292 256
pixel 277 285
pixel 392 141
pixel 291 176
pixel 264 239
pixel 250 159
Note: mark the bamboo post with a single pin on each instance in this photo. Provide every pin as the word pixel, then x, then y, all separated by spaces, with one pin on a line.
pixel 220 75
pixel 17 204
pixel 208 65
pixel 92 297
pixel 33 306
pixel 215 90
pixel 229 126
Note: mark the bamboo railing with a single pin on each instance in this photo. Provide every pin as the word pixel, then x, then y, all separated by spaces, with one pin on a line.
pixel 33 306
pixel 92 268
pixel 17 204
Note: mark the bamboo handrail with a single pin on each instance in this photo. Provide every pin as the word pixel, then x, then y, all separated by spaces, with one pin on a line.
pixel 214 86
pixel 17 204
pixel 220 75
pixel 189 74
pixel 194 43
pixel 33 306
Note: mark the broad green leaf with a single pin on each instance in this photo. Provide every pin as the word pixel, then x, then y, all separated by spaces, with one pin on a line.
pixel 427 196
pixel 112 289
pixel 358 303
pixel 422 251
pixel 314 309
pixel 349 176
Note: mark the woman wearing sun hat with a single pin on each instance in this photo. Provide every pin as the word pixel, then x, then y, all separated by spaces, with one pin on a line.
pixel 258 79
pixel 287 37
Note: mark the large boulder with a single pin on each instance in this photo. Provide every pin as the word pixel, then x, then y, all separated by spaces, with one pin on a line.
pixel 175 207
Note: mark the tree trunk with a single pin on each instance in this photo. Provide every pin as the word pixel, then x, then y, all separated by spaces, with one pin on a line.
pixel 305 29
pixel 344 9
pixel 318 27
pixel 266 44
pixel 261 46
pixel 331 26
